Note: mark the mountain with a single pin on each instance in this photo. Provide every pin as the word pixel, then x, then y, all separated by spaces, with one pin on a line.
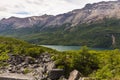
pixel 94 25
pixel 90 13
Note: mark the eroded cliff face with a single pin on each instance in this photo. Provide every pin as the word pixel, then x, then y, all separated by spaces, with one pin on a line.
pixel 113 40
pixel 90 13
pixel 24 22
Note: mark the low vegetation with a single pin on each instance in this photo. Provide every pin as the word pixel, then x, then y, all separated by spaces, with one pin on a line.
pixel 103 65
pixel 17 47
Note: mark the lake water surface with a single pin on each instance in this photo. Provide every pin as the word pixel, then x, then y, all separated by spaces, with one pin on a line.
pixel 66 48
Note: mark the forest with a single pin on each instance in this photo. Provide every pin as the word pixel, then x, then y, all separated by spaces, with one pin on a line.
pixel 95 34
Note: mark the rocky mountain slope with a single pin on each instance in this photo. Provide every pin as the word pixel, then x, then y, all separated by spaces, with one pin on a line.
pixel 94 25
pixel 88 14
pixel 20 60
pixel 27 66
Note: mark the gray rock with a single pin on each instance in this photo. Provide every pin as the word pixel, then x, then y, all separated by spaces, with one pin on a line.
pixel 14 76
pixel 74 75
pixel 29 60
pixel 62 78
pixel 37 67
pixel 13 70
pixel 15 59
pixel 55 74
pixel 50 65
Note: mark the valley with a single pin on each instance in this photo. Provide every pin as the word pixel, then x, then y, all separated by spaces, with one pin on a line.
pixel 90 26
pixel 82 44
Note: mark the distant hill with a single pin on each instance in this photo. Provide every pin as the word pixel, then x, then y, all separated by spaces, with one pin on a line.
pixel 95 25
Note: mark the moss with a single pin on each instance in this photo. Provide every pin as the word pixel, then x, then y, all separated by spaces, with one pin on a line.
pixel 26 71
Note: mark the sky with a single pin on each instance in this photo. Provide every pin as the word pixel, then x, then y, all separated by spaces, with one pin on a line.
pixel 26 8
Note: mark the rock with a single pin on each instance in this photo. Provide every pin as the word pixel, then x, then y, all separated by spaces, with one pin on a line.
pixel 13 70
pixel 36 61
pixel 55 74
pixel 24 64
pixel 15 59
pixel 45 57
pixel 38 67
pixel 74 75
pixel 50 65
pixel 13 76
pixel 62 78
pixel 29 60
pixel 10 69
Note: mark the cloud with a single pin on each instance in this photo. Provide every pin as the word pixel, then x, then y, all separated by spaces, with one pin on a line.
pixel 22 13
pixel 25 8
pixel 2 9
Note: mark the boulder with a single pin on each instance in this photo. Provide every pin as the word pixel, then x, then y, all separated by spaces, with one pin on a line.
pixel 15 59
pixel 29 60
pixel 14 76
pixel 74 75
pixel 55 74
pixel 62 78
pixel 45 57
pixel 50 66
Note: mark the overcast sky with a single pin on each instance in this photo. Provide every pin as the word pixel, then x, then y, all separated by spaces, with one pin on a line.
pixel 25 8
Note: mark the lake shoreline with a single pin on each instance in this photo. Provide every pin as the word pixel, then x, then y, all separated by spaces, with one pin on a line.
pixel 67 48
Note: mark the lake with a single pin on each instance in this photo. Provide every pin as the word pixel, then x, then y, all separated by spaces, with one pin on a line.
pixel 66 48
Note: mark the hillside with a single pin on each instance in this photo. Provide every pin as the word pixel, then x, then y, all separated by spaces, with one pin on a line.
pixel 95 25
pixel 94 35
pixel 24 61
pixel 21 60
pixel 16 46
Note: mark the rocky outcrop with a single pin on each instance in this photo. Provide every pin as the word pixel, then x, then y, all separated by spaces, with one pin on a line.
pixel 74 75
pixel 89 14
pixel 13 76
pixel 55 74
pixel 15 22
pixel 32 68
pixel 40 68
pixel 113 40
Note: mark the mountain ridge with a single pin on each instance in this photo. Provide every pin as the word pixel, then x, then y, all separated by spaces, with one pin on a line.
pixel 88 14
